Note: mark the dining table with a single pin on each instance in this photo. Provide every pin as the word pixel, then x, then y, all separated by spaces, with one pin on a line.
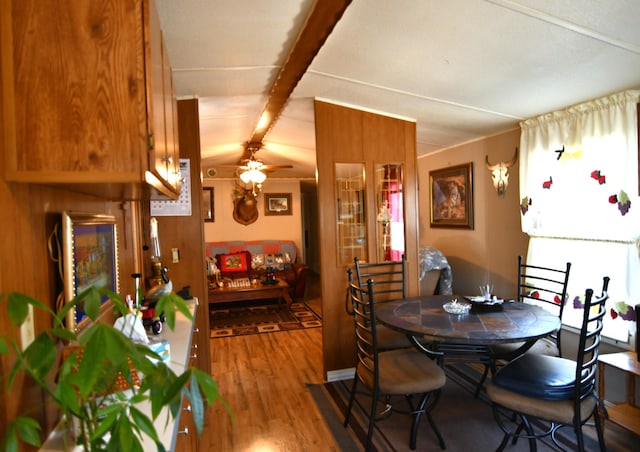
pixel 423 318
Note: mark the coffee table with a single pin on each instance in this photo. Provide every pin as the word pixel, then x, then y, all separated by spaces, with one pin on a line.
pixel 258 291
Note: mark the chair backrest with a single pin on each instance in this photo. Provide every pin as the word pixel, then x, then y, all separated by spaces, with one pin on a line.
pixel 389 278
pixel 589 342
pixel 362 303
pixel 543 284
pixel 546 285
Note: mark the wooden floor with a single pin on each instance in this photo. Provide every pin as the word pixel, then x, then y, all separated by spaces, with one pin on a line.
pixel 263 377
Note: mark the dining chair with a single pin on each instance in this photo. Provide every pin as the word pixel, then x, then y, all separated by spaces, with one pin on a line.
pixel 543 286
pixel 555 390
pixel 389 277
pixel 390 284
pixel 392 374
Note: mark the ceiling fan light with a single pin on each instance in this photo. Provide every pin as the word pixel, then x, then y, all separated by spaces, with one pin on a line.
pixel 245 177
pixel 253 175
pixel 258 176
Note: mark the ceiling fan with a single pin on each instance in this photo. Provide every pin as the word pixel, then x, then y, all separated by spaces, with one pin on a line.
pixel 249 167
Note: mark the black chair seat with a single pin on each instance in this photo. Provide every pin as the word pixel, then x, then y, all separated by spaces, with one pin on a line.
pixel 556 391
pixel 539 376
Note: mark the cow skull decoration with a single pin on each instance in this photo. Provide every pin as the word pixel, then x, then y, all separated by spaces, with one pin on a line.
pixel 500 174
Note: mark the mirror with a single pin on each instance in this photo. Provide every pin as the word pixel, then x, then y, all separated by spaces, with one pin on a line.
pixel 390 212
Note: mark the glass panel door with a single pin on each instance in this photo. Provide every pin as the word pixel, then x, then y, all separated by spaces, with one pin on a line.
pixel 351 218
pixel 390 212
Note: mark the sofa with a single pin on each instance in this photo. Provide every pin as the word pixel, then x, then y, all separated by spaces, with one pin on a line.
pixel 263 256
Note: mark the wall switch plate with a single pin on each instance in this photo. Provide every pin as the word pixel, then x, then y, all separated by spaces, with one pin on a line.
pixel 27 330
pixel 175 255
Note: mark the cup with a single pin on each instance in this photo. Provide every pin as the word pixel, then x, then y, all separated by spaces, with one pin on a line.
pixel 486 290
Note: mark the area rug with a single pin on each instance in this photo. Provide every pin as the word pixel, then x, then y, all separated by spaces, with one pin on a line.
pixel 255 319
pixel 466 422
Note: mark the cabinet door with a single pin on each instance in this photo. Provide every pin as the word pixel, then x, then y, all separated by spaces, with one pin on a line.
pixel 171 123
pixel 82 116
pixel 164 160
pixel 79 92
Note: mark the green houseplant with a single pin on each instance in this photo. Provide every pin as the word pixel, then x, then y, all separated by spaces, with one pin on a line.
pixel 85 385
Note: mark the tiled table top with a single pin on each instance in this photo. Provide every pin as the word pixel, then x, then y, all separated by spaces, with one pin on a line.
pixel 424 316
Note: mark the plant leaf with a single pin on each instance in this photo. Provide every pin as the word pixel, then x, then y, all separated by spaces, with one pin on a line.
pixel 210 389
pixel 125 437
pixel 197 406
pixel 40 356
pixel 63 334
pixel 25 428
pixel 105 424
pixel 92 302
pixel 18 307
pixel 144 423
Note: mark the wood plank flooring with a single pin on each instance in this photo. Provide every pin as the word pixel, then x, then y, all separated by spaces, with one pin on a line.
pixel 263 377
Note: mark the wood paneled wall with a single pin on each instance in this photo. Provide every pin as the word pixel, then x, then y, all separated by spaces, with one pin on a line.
pixel 347 135
pixel 26 265
pixel 186 233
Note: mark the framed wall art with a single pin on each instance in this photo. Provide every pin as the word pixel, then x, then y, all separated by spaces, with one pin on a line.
pixel 208 211
pixel 277 203
pixel 90 258
pixel 452 197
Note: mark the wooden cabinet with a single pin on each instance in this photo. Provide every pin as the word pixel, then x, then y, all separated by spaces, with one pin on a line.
pixel 187 436
pixel 91 101
pixel 625 414
pixel 187 439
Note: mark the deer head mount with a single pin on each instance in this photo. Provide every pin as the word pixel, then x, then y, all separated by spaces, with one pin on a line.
pixel 500 174
pixel 245 203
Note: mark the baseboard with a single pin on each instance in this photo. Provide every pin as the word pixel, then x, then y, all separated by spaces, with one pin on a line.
pixel 340 374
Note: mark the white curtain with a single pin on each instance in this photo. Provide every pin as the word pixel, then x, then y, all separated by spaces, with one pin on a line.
pixel 579 201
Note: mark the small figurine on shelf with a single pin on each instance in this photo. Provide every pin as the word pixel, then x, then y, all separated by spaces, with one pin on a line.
pixel 270 276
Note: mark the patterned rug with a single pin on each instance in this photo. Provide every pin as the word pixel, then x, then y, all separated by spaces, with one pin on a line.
pixel 239 321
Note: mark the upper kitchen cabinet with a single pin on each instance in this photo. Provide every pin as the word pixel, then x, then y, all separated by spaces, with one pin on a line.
pixel 91 103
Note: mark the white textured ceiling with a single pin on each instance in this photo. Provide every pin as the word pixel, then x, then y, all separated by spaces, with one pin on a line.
pixel 462 69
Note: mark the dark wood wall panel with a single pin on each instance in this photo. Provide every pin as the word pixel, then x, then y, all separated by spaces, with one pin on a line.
pixel 349 135
pixel 186 233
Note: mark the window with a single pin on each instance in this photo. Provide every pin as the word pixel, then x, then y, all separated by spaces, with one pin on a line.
pixel 579 202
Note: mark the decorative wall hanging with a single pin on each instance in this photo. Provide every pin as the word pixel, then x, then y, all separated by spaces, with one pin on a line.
pixel 500 173
pixel 277 204
pixel 245 205
pixel 452 197
pixel 90 258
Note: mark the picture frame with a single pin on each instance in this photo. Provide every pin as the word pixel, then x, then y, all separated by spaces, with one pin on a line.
pixel 277 204
pixel 208 211
pixel 90 258
pixel 452 197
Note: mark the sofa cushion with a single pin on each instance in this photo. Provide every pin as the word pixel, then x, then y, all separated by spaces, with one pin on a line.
pixel 279 261
pixel 257 261
pixel 254 247
pixel 234 262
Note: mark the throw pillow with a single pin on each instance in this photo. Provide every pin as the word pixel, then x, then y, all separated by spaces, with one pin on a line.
pixel 257 261
pixel 274 261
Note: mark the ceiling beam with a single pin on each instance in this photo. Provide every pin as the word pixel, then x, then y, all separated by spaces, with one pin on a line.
pixel 323 17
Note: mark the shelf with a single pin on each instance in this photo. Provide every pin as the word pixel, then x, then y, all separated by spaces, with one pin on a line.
pixel 626 416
